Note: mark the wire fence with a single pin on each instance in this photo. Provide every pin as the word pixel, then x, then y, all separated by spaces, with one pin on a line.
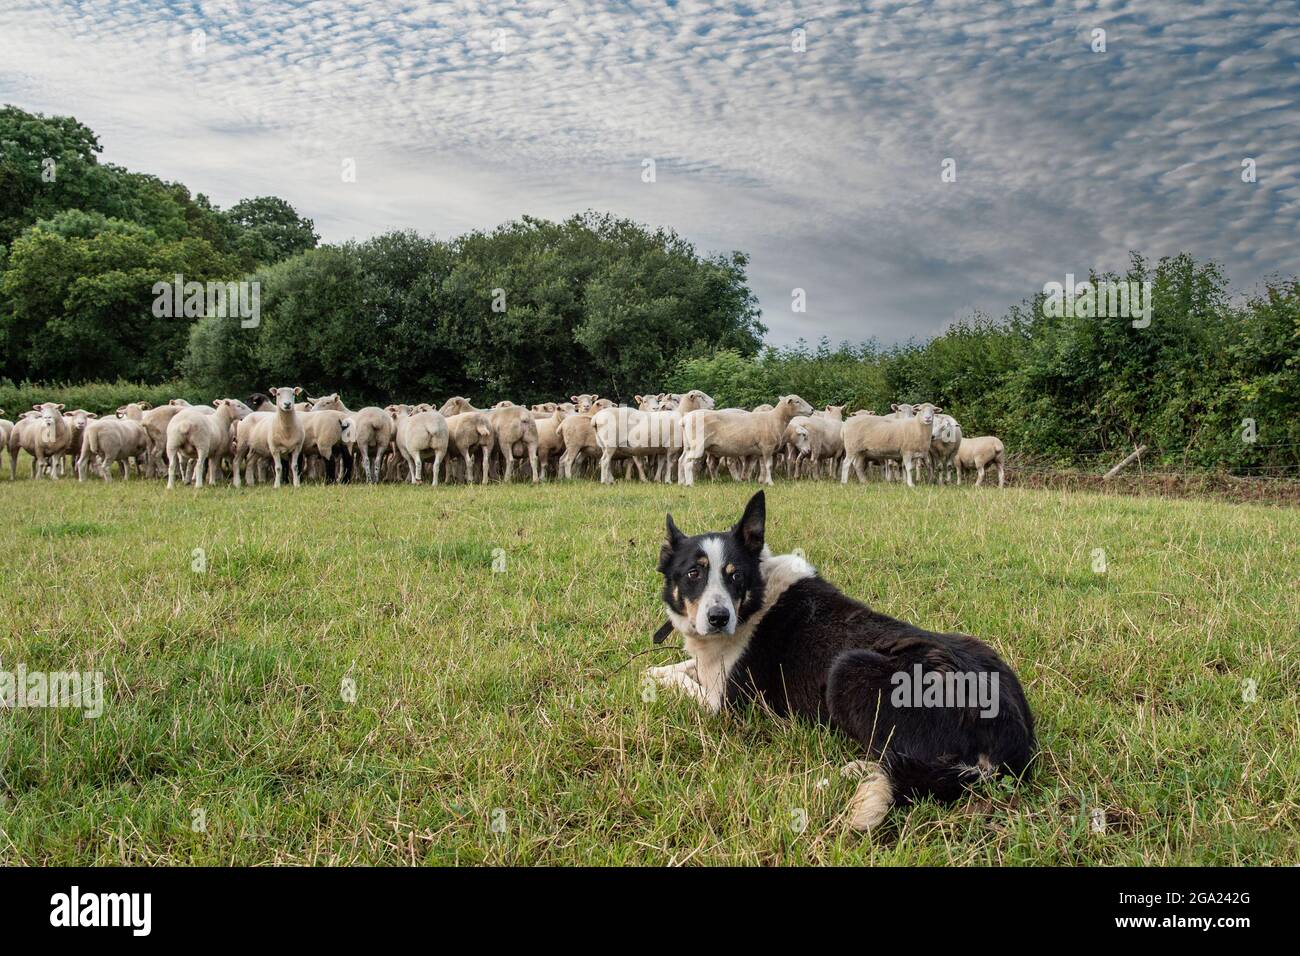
pixel 1098 461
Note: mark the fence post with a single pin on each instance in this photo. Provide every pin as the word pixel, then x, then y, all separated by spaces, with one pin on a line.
pixel 1137 453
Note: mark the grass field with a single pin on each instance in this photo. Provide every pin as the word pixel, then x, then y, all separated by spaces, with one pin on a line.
pixel 511 700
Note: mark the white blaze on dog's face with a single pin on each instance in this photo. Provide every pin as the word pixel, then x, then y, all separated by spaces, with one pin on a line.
pixel 712 582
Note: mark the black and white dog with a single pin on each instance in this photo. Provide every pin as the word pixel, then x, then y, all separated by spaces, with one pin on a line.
pixel 936 712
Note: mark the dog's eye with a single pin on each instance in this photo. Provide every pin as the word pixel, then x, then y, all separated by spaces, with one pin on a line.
pixel 737 577
pixel 693 574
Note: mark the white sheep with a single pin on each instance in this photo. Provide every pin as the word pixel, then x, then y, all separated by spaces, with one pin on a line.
pixel 109 440
pixel 419 436
pixel 46 436
pixel 203 437
pixel 372 427
pixel 276 435
pixel 737 434
pixel 945 440
pixel 626 432
pixel 978 453
pixel 880 439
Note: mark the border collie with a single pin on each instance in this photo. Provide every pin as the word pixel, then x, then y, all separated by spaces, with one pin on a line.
pixel 935 712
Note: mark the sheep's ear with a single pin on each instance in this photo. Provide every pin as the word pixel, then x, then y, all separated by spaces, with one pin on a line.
pixel 893 407
pixel 216 403
pixel 144 405
pixel 638 399
pixel 672 538
pixel 937 410
pixel 297 390
pixel 749 529
pixel 92 414
pixel 36 408
pixel 62 406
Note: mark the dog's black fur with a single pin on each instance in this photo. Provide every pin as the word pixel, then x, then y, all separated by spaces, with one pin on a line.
pixel 818 654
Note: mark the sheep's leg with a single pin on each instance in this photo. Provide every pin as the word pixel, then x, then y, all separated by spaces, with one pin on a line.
pixel 640 468
pixel 979 475
pixel 686 468
pixel 487 459
pixel 1001 473
pixel 438 455
pixel 200 464
pixel 279 467
pixel 293 466
pixel 606 470
pixel 171 469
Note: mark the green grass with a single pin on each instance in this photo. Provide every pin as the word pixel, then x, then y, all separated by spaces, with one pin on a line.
pixel 480 691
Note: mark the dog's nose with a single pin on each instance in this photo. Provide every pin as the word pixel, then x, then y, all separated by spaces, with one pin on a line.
pixel 718 616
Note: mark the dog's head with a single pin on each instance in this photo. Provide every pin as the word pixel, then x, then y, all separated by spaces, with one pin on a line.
pixel 712 582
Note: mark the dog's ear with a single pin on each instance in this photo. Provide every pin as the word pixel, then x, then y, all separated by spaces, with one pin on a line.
pixel 749 529
pixel 672 538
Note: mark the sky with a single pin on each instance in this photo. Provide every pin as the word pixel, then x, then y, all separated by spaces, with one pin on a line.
pixel 812 136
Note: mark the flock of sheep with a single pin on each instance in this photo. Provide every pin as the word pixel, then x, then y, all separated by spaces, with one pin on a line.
pixel 670 434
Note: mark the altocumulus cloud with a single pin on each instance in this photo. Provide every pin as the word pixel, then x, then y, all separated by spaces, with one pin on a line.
pixel 824 164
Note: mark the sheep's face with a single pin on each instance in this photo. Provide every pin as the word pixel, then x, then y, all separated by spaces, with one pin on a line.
pixel 926 412
pixel 545 407
pixel 180 402
pixel 49 414
pixel 78 419
pixel 648 403
pixel 945 428
pixel 284 397
pixel 504 403
pixel 835 412
pixel 712 582
pixel 802 440
pixel 904 409
pixel 328 402
pixel 584 403
pixel 456 406
pixel 796 404
pixel 347 431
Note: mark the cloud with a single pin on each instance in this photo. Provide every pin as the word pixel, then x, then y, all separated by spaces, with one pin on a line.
pixel 824 164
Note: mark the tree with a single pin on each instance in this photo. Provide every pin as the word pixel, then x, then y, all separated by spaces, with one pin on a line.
pixel 78 295
pixel 267 229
